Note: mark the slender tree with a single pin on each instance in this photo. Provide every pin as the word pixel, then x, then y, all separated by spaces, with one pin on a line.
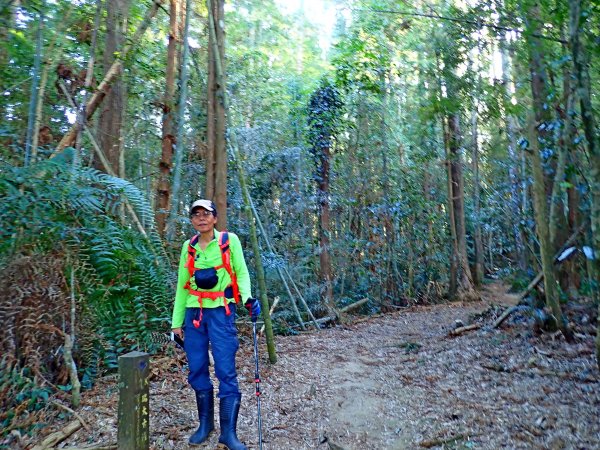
pixel 180 146
pixel 163 189
pixel 582 75
pixel 465 285
pixel 110 122
pixel 323 120
pixel 216 172
pixel 543 233
pixel 34 88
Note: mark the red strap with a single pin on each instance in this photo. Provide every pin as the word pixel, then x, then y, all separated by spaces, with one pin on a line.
pixel 191 257
pixel 226 257
pixel 226 260
pixel 207 294
pixel 197 322
pixel 212 296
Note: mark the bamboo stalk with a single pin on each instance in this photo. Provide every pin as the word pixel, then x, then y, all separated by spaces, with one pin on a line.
pixel 35 91
pixel 260 272
pixel 270 248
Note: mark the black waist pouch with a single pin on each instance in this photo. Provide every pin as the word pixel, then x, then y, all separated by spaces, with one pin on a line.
pixel 206 278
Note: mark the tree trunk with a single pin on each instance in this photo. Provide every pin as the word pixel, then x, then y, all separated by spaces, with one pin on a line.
pixel 110 124
pixel 542 231
pixel 516 206
pixel 180 147
pixel 220 120
pixel 210 105
pixel 581 71
pixel 216 161
pixel 324 110
pixel 453 269
pixel 477 237
pixel 325 274
pixel 465 289
pixel 34 89
pixel 541 135
pixel 163 190
pixel 89 74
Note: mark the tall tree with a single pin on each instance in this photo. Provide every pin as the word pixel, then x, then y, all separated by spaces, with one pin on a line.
pixel 323 119
pixel 180 146
pixel 456 194
pixel 110 122
pixel 163 190
pixel 216 161
pixel 541 136
pixel 578 14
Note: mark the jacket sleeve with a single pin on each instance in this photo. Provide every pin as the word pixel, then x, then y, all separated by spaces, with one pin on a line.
pixel 238 263
pixel 181 294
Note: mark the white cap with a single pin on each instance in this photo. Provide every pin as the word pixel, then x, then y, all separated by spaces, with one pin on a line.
pixel 206 204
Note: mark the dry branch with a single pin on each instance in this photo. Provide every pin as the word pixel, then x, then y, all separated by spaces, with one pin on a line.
pixel 97 447
pixel 460 330
pixel 104 160
pixel 77 416
pixel 262 329
pixel 507 313
pixel 58 436
pixel 442 441
pixel 540 275
pixel 345 309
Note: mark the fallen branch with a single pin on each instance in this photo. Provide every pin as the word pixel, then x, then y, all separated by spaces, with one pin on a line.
pixel 77 416
pixel 460 330
pixel 442 441
pixel 540 275
pixel 495 367
pixel 98 447
pixel 507 313
pixel 345 309
pixel 58 436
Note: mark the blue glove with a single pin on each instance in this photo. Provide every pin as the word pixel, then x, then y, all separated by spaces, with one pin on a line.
pixel 253 307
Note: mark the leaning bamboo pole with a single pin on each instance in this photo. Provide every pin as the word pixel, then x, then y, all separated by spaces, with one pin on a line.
pixel 284 270
pixel 260 271
pixel 219 67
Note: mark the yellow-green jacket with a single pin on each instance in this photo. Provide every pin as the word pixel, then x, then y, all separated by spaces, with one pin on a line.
pixel 210 257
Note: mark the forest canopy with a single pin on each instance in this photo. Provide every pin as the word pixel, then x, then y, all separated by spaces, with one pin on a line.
pixel 384 152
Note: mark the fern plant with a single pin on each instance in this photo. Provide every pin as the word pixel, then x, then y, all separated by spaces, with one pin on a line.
pixel 121 276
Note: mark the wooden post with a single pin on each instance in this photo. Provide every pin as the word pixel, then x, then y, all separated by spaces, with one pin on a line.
pixel 133 427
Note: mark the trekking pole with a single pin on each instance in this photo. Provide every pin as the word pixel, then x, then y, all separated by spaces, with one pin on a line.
pixel 257 381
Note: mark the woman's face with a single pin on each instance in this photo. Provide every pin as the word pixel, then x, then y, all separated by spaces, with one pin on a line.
pixel 203 220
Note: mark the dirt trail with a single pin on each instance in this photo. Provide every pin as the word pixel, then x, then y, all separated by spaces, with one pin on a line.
pixel 396 381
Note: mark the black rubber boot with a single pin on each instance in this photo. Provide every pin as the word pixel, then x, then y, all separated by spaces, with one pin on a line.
pixel 206 416
pixel 228 415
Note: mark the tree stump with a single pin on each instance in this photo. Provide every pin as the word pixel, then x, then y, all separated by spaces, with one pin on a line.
pixel 133 426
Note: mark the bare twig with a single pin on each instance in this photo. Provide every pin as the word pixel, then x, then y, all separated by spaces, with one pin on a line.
pixel 460 330
pixel 77 415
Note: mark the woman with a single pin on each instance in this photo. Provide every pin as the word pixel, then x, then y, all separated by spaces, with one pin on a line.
pixel 212 277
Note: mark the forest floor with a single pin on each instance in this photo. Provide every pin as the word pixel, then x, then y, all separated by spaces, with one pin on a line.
pixel 394 381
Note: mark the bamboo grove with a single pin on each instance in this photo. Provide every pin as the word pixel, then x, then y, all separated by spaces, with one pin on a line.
pixel 406 156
